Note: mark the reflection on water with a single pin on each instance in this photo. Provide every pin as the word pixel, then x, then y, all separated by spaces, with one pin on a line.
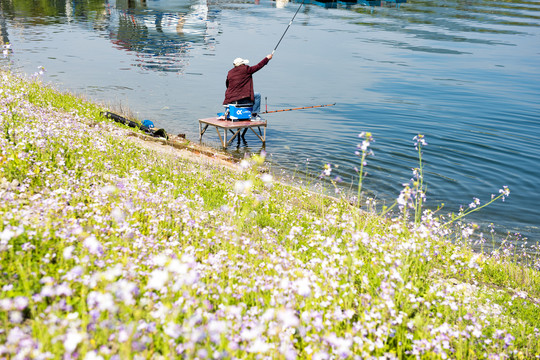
pixel 329 4
pixel 160 32
pixel 463 73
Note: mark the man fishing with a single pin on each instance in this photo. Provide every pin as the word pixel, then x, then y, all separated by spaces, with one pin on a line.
pixel 240 84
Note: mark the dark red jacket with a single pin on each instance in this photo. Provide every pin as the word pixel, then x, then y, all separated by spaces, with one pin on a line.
pixel 240 82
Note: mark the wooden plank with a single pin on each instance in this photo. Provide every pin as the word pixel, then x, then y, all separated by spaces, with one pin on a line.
pixel 260 138
pixel 227 124
pixel 235 134
pixel 218 133
pixel 202 131
pixel 237 128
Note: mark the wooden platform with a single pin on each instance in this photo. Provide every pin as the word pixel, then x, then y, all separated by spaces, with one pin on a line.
pixel 237 129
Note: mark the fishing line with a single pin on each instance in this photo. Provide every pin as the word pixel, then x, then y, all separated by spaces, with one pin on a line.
pixel 290 22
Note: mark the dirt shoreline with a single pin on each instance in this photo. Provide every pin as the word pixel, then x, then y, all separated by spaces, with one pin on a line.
pixel 181 147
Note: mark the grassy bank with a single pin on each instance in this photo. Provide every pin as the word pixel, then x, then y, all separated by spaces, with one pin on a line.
pixel 110 250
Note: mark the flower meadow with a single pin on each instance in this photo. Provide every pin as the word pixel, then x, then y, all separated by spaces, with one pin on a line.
pixel 109 250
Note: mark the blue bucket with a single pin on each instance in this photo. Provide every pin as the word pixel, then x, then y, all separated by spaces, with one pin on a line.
pixel 149 124
pixel 239 113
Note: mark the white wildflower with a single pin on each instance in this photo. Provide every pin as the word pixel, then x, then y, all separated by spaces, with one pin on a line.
pixel 72 339
pixel 158 279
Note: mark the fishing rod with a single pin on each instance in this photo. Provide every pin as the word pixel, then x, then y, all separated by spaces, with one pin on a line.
pixel 290 22
pixel 298 108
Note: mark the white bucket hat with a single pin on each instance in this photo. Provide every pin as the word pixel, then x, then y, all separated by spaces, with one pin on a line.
pixel 240 61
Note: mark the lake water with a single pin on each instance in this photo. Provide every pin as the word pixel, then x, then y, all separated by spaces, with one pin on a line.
pixel 465 74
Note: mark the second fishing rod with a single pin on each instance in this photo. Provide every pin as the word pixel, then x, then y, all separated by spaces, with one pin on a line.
pixel 296 108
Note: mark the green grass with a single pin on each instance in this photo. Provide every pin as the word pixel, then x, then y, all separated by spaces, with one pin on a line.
pixel 109 249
